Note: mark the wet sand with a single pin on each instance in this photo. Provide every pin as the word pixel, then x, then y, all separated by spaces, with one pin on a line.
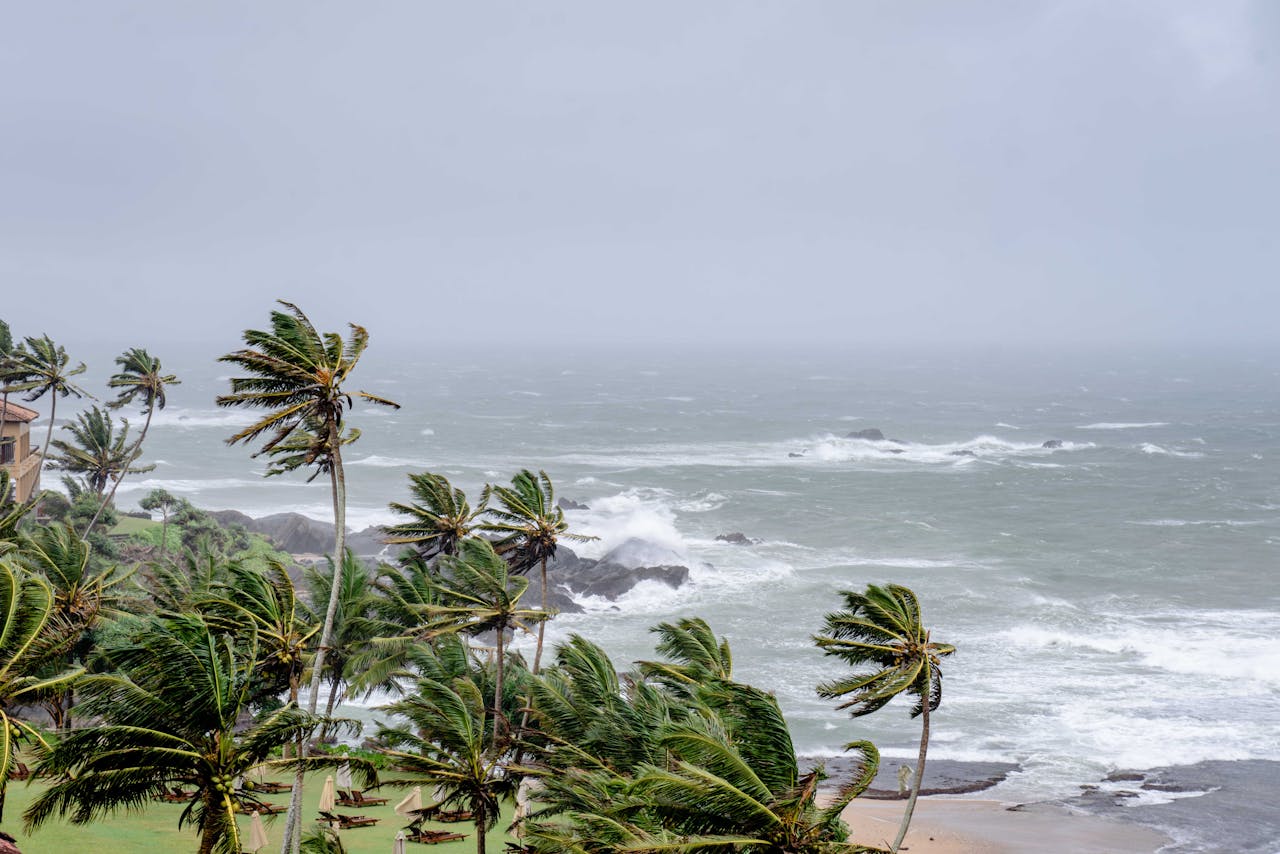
pixel 965 826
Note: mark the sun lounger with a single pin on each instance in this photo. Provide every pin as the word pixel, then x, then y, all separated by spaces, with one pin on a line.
pixel 453 815
pixel 344 822
pixel 434 837
pixel 362 801
pixel 263 807
pixel 272 788
pixel 175 795
pixel 345 799
pixel 22 772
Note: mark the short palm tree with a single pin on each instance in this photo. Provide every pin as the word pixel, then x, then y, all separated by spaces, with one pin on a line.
pixel 26 603
pixel 444 747
pixel 168 717
pixel 140 378
pixel 439 517
pixel 97 451
pixel 39 367
pixel 12 512
pixel 297 375
pixel 882 634
pixel 529 526
pixel 477 595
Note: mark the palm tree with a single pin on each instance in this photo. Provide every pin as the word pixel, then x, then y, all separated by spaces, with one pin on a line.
pixel 439 517
pixel 297 374
pixel 159 499
pixel 26 603
pixel 82 594
pixel 530 526
pixel 139 377
pixel 12 512
pixel 882 634
pixel 168 718
pixel 96 452
pixel 444 747
pixel 354 600
pixel 38 366
pixel 478 594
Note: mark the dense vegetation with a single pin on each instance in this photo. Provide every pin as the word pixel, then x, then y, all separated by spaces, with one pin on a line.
pixel 189 653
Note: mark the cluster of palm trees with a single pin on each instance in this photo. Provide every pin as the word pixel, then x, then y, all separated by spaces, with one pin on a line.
pixel 203 669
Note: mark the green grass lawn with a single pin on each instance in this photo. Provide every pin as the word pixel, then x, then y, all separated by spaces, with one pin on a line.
pixel 134 525
pixel 155 828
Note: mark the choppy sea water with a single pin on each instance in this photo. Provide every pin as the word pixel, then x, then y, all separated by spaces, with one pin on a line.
pixel 1115 601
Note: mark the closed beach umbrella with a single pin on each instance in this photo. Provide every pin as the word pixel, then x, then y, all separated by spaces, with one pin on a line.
pixel 344 775
pixel 257 833
pixel 257 774
pixel 412 802
pixel 327 797
pixel 399 847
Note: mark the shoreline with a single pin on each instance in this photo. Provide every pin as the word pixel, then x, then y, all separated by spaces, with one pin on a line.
pixel 944 825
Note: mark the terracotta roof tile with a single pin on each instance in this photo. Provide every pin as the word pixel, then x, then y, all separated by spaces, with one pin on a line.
pixel 13 412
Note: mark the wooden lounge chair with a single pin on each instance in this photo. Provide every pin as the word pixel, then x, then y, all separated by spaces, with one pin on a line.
pixel 453 815
pixel 345 822
pixel 272 788
pixel 362 801
pixel 22 772
pixel 345 799
pixel 434 837
pixel 175 795
pixel 263 807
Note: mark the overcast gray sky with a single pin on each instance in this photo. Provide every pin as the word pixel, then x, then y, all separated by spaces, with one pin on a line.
pixel 1075 172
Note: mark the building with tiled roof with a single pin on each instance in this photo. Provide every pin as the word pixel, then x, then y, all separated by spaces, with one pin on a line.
pixel 16 454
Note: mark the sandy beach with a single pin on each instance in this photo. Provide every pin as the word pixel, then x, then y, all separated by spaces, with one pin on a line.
pixel 965 826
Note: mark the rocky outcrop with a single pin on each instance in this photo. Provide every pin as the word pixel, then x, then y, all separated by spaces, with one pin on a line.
pixel 298 534
pixel 737 538
pixel 1052 444
pixel 570 504
pixel 569 575
pixel 941 776
pixel 871 434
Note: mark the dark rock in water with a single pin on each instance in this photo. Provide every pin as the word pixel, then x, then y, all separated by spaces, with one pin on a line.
pixel 894 451
pixel 794 455
pixel 941 776
pixel 1052 444
pixel 737 538
pixel 570 504
pixel 1225 806
pixel 964 453
pixel 871 434
pixel 370 542
pixel 569 575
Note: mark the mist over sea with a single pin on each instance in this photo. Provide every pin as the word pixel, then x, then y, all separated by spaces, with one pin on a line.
pixel 1115 601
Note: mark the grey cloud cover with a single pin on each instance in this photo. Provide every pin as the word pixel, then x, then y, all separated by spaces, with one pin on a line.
pixel 796 173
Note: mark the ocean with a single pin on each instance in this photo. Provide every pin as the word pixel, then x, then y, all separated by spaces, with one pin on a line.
pixel 1114 600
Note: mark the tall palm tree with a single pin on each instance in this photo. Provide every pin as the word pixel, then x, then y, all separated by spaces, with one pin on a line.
pixel 444 747
pixel 298 374
pixel 168 718
pixel 439 517
pixel 26 603
pixel 478 594
pixel 140 376
pixel 355 598
pixel 530 527
pixel 38 367
pixel 882 634
pixel 96 451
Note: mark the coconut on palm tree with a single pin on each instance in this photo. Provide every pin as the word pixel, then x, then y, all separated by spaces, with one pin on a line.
pixel 169 716
pixel 530 527
pixel 140 378
pixel 39 367
pixel 881 633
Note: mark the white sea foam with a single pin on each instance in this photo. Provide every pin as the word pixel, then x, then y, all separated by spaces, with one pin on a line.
pixel 1007 426
pixel 190 419
pixel 1151 448
pixel 1123 425
pixel 1213 523
pixel 427 431
pixel 644 515
pixel 378 461
pixel 190 486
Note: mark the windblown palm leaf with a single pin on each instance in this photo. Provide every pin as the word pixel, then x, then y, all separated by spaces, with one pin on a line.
pixel 96 451
pixel 439 517
pixel 39 367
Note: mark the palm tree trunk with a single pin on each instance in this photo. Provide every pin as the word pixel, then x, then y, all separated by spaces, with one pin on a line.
pixel 498 718
pixel 542 626
pixel 338 481
pixel 481 821
pixel 48 436
pixel 164 541
pixel 209 836
pixel 924 747
pixel 133 458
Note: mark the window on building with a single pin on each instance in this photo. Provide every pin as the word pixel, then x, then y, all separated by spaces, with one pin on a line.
pixel 8 448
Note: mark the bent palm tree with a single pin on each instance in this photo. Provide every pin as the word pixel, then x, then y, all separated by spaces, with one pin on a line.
pixel 882 633
pixel 139 377
pixel 169 718
pixel 26 602
pixel 97 452
pixel 439 517
pixel 297 374
pixel 530 526
pixel 38 366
